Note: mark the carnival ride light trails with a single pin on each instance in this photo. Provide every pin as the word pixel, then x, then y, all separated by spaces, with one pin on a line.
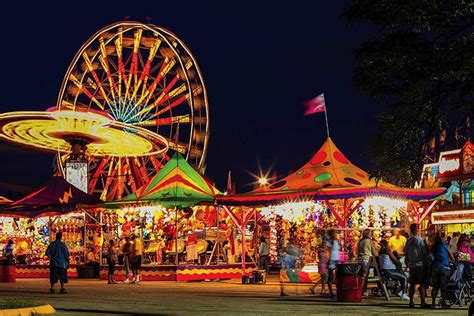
pixel 54 130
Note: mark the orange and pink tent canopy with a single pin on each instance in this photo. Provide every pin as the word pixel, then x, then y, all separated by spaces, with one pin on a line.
pixel 328 175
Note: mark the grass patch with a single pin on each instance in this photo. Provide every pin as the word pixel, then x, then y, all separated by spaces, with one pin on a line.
pixel 11 303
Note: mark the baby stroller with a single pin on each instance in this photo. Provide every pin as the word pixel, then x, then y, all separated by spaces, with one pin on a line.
pixel 459 287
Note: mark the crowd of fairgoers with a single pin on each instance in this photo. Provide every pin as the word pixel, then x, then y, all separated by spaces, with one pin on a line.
pixel 405 261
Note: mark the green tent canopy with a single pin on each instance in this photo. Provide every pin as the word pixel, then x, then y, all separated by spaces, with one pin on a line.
pixel 177 184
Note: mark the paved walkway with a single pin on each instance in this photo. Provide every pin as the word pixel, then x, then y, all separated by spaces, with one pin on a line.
pixel 200 298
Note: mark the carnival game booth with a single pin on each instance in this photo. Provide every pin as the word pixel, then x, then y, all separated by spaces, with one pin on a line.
pixel 183 231
pixel 454 170
pixel 33 221
pixel 329 192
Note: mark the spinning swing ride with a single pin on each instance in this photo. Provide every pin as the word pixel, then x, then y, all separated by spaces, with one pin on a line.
pixel 131 97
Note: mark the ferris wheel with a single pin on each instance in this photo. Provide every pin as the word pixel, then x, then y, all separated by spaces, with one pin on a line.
pixel 141 75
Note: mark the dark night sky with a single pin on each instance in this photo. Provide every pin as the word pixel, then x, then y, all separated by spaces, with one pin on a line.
pixel 260 62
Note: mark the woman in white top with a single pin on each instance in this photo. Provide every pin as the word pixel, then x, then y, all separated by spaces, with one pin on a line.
pixel 334 248
pixel 388 265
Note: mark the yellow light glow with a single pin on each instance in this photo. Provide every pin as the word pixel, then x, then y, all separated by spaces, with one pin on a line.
pixel 51 130
pixel 388 204
pixel 262 181
pixel 291 211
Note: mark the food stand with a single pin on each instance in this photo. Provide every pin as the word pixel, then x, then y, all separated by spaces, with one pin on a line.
pixel 455 170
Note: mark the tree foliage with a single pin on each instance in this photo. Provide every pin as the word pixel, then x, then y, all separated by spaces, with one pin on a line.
pixel 420 69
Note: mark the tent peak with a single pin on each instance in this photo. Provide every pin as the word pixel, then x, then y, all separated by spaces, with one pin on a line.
pixel 327 168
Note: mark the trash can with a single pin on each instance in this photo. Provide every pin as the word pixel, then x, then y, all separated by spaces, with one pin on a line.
pixel 8 273
pixel 349 282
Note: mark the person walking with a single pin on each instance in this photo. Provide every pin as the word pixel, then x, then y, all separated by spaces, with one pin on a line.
pixel 136 258
pixel 416 255
pixel 58 255
pixel 441 270
pixel 8 254
pixel 465 255
pixel 365 248
pixel 126 251
pixel 263 254
pixel 111 261
pixel 334 247
pixel 453 243
pixel 322 266
pixel 388 267
pixel 288 261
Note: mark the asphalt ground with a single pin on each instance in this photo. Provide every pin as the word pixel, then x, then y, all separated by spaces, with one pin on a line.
pixel 226 297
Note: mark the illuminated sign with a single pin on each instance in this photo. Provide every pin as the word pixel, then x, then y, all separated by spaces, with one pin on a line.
pixel 77 174
pixel 449 164
pixel 457 164
pixel 468 159
pixel 429 176
pixel 453 217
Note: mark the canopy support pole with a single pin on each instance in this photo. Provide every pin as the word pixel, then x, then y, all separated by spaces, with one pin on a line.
pixel 243 254
pixel 353 209
pixel 335 213
pixel 419 213
pixel 176 259
pixel 241 226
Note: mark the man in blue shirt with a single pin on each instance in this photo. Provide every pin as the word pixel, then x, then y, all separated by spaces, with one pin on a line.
pixel 416 255
pixel 58 263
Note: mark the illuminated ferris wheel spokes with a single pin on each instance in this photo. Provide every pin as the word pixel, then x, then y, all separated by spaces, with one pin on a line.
pixel 144 76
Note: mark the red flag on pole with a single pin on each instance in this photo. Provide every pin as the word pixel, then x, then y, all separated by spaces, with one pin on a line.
pixel 316 105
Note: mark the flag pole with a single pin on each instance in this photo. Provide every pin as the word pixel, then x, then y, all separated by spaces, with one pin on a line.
pixel 326 116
